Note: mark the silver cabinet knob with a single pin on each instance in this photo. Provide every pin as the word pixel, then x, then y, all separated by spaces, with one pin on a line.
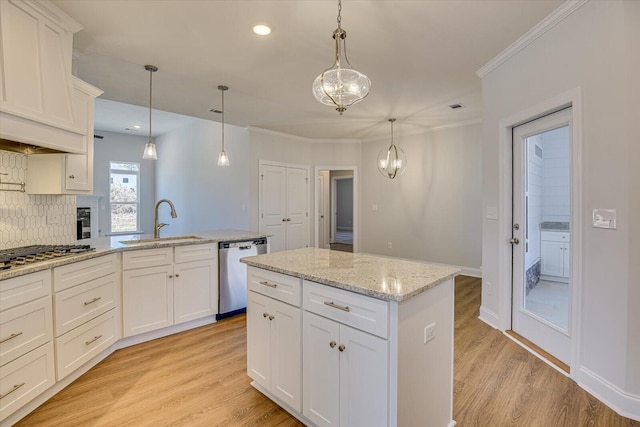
pixel 72 177
pixel 332 344
pixel 265 314
pixel 514 241
pixel 341 347
pixel 271 317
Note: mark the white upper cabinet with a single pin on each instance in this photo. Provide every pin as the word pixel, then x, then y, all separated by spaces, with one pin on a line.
pixel 36 83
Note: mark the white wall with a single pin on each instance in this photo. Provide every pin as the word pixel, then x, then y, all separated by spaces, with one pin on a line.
pixel 594 49
pixel 433 211
pixel 205 195
pixel 124 148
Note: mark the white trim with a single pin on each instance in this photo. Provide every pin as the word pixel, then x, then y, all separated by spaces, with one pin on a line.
pixel 565 9
pixel 535 353
pixel 336 141
pixel 489 317
pixel 356 203
pixel 279 134
pixel 571 98
pixel 401 135
pixel 625 404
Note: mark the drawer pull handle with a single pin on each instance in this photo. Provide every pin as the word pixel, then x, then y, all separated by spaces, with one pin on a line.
pixel 94 339
pixel 332 344
pixel 10 337
pixel 15 387
pixel 271 285
pixel 339 307
pixel 92 301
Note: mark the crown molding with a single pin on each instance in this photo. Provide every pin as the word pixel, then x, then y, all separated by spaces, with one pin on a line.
pixel 566 9
pixel 279 134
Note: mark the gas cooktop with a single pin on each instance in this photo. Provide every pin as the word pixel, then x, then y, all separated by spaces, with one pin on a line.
pixel 32 254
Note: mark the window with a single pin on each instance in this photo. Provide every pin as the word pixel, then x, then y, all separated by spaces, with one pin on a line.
pixel 124 197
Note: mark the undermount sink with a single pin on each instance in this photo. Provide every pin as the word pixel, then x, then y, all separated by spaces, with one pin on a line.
pixel 159 240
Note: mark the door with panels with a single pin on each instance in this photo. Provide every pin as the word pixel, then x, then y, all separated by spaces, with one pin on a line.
pixel 284 206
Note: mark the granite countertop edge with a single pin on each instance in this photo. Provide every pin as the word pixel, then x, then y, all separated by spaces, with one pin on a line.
pixel 109 245
pixel 381 295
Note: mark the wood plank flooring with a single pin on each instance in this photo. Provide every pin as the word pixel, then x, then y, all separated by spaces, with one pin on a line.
pixel 198 378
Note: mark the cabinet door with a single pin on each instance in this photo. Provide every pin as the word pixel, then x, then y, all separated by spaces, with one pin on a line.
pixel 195 293
pixel 286 353
pixel 552 258
pixel 147 295
pixel 321 370
pixel 258 339
pixel 364 378
pixel 297 219
pixel 274 206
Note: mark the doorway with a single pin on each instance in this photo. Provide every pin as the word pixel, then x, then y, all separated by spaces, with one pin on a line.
pixel 541 237
pixel 336 202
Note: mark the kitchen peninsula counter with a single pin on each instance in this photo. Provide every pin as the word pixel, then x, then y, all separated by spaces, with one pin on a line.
pixel 383 278
pixel 112 244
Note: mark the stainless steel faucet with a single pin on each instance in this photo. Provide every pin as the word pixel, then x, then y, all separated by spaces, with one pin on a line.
pixel 158 226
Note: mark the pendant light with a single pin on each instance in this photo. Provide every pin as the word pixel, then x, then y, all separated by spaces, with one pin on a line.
pixel 392 161
pixel 340 85
pixel 223 159
pixel 150 149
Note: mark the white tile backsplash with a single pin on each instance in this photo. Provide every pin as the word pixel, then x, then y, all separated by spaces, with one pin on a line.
pixel 23 217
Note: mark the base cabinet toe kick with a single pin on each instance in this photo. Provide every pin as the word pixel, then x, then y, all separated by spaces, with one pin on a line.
pixel 333 357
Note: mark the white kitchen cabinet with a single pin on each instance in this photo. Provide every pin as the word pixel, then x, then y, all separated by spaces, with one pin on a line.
pixel 168 286
pixel 36 84
pixel 345 374
pixel 554 254
pixel 274 343
pixel 67 173
pixel 86 310
pixel 26 334
pixel 284 206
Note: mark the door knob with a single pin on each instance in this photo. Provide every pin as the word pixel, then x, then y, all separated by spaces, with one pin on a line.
pixel 514 241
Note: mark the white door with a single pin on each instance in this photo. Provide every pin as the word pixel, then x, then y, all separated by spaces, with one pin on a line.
pixel 364 377
pixel 274 206
pixel 258 339
pixel 321 370
pixel 541 198
pixel 286 353
pixel 321 214
pixel 297 217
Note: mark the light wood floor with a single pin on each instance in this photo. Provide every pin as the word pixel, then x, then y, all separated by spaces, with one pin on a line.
pixel 198 378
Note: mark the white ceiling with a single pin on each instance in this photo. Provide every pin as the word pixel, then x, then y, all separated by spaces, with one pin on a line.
pixel 421 56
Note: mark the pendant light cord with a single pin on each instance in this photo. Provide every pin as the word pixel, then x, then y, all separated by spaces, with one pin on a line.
pixel 150 92
pixel 223 119
pixel 339 19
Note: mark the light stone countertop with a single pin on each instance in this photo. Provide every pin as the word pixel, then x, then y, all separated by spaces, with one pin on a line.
pixel 112 244
pixel 387 279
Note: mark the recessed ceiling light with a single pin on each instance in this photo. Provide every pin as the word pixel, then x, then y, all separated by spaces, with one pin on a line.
pixel 136 126
pixel 262 30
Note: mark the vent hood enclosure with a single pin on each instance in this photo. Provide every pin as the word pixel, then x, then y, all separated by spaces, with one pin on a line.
pixel 38 102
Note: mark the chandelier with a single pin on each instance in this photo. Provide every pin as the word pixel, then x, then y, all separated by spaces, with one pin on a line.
pixel 340 85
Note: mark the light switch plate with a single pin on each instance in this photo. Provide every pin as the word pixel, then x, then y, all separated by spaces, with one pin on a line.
pixel 492 212
pixel 604 218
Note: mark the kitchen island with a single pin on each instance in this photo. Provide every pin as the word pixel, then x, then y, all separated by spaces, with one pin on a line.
pixel 346 339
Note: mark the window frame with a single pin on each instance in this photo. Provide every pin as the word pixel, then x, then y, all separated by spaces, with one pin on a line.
pixel 120 171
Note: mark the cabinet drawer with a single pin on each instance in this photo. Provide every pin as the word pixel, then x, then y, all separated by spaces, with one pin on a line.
pixel 25 378
pixel 147 258
pixel 195 252
pixel 81 303
pixel 19 290
pixel 24 328
pixel 71 275
pixel 81 344
pixel 554 236
pixel 275 285
pixel 360 311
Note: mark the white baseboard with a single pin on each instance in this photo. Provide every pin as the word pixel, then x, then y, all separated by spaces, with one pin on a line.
pixel 625 404
pixel 470 271
pixel 489 317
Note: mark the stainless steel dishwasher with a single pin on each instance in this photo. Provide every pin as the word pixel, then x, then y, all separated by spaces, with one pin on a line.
pixel 232 280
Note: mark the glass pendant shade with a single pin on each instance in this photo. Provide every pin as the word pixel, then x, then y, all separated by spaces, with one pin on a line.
pixel 150 152
pixel 340 85
pixel 223 159
pixel 392 162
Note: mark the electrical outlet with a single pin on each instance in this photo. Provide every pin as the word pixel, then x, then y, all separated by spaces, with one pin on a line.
pixel 389 245
pixel 429 332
